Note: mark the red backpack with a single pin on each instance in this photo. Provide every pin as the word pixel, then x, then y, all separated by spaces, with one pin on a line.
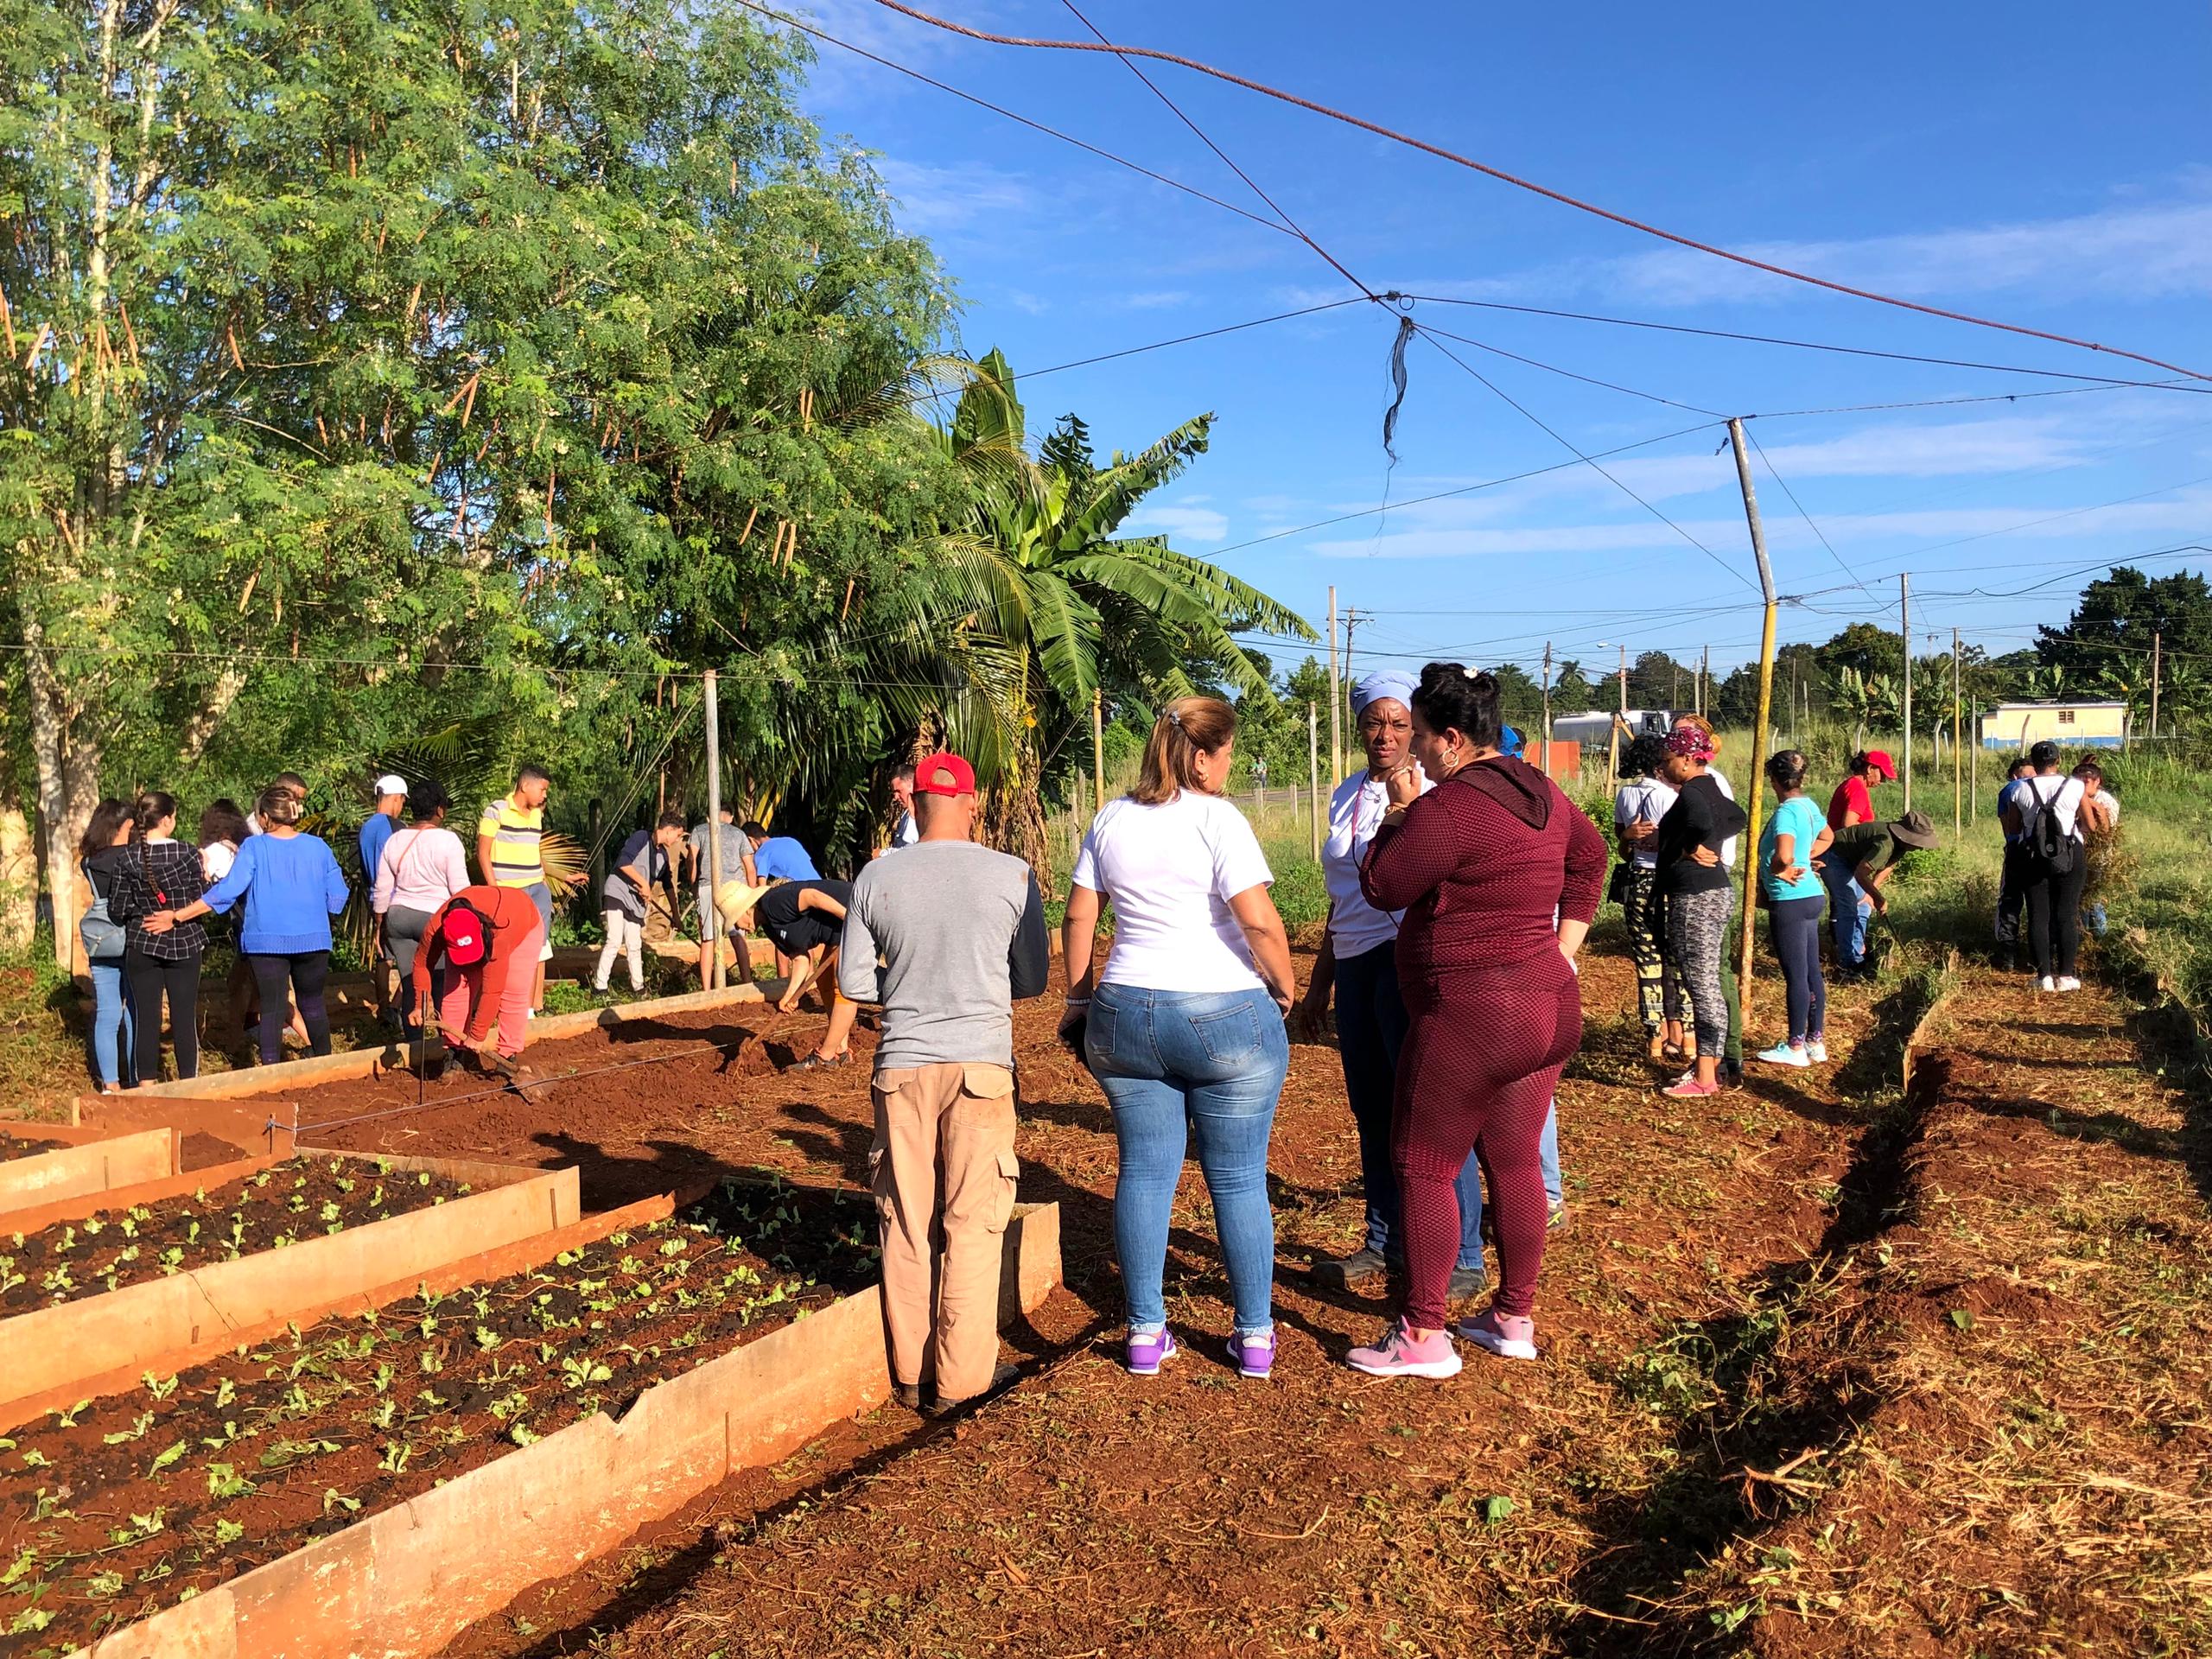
pixel 467 934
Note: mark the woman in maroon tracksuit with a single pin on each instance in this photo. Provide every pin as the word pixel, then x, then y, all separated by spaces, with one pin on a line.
pixel 1499 875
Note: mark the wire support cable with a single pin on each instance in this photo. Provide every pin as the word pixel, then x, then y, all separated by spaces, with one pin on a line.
pixel 1561 196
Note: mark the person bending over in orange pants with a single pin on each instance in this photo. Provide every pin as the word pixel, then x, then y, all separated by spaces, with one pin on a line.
pixel 488 938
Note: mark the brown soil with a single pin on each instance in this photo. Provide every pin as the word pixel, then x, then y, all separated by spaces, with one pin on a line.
pixel 121 1504
pixel 1193 1502
pixel 17 1146
pixel 305 1197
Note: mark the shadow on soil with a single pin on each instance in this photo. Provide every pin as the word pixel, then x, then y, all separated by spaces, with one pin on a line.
pixel 1751 1390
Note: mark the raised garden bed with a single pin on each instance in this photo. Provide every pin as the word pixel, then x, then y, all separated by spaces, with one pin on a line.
pixel 138 1501
pixel 14 1143
pixel 274 1209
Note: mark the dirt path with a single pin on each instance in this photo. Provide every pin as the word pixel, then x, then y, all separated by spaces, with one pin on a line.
pixel 1086 1510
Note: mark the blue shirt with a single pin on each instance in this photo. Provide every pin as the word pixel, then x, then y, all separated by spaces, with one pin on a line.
pixel 779 856
pixel 1799 818
pixel 376 830
pixel 2005 797
pixel 292 887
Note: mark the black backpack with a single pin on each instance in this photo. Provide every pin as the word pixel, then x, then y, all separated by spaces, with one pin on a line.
pixel 2051 851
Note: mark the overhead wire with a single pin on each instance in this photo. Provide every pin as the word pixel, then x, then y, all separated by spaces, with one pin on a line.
pixel 1767 463
pixel 1749 261
pixel 1532 417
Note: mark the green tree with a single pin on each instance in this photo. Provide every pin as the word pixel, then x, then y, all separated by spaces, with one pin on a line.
pixel 1040 578
pixel 1572 693
pixel 1862 646
pixel 1656 680
pixel 2117 616
pixel 420 339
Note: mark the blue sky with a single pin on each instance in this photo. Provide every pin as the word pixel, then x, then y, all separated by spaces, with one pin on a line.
pixel 2047 165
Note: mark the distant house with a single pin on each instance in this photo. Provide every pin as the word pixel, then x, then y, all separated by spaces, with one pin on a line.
pixel 2072 723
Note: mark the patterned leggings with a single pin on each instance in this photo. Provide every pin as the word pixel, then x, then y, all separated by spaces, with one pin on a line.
pixel 1644 913
pixel 1697 931
pixel 1481 1060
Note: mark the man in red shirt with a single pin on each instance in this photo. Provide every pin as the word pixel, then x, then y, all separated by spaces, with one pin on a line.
pixel 1853 800
pixel 487 938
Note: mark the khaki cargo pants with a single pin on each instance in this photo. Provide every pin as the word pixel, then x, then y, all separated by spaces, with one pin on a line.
pixel 942 1132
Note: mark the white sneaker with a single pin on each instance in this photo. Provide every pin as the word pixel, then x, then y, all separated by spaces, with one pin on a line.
pixel 1816 1053
pixel 1785 1054
pixel 2046 983
pixel 2068 982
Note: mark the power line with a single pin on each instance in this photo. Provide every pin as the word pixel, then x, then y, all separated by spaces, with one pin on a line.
pixel 1799 506
pixel 1465 489
pixel 1526 414
pixel 1560 196
pixel 1807 346
pixel 1552 368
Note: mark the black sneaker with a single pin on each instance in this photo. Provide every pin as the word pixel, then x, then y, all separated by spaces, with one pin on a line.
pixel 908 1394
pixel 1361 1265
pixel 1465 1282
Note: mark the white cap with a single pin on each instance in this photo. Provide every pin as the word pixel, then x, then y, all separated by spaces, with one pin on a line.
pixel 391 784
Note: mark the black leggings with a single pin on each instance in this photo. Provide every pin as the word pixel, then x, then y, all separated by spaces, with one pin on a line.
pixel 151 979
pixel 2055 915
pixel 281 980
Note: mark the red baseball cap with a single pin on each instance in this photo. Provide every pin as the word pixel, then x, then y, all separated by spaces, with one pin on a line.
pixel 943 774
pixel 1878 760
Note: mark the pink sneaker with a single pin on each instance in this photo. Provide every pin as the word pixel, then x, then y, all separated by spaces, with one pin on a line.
pixel 1688 1088
pixel 1399 1354
pixel 1509 1335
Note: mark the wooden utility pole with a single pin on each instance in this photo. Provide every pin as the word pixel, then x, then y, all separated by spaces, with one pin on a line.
pixel 1547 708
pixel 710 926
pixel 1098 753
pixel 2157 640
pixel 1313 774
pixel 1704 677
pixel 1904 637
pixel 1958 742
pixel 1758 730
pixel 1336 698
pixel 1620 728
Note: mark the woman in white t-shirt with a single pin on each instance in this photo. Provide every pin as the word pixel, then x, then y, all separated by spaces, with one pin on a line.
pixel 1183 1027
pixel 2053 895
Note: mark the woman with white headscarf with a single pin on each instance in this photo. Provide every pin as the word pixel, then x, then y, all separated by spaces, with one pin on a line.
pixel 1359 961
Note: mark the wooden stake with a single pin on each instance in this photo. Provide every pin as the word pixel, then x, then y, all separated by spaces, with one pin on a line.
pixel 1765 716
pixel 842 610
pixel 745 535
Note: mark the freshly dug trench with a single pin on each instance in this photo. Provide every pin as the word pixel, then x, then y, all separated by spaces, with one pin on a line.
pixel 304 1198
pixel 128 1503
pixel 18 1146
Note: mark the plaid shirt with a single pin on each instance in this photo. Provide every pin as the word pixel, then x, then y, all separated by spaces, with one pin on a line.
pixel 159 875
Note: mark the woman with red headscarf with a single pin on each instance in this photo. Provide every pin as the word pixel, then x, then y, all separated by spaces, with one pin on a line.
pixel 1499 875
pixel 1694 879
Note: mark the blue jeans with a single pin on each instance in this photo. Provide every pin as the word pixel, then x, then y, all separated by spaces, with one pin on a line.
pixel 1470 1209
pixel 1171 1062
pixel 114 1032
pixel 1370 1031
pixel 1849 909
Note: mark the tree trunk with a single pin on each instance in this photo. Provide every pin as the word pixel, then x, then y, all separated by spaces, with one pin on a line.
pixel 68 765
pixel 208 716
pixel 18 875
pixel 1013 821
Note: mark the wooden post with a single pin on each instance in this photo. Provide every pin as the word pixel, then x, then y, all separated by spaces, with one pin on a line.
pixel 1904 631
pixel 1098 753
pixel 1958 744
pixel 710 925
pixel 1758 730
pixel 1312 771
pixel 597 875
pixel 2157 639
pixel 1620 729
pixel 1547 708
pixel 1336 697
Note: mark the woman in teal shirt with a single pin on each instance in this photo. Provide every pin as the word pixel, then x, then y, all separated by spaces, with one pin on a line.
pixel 1794 835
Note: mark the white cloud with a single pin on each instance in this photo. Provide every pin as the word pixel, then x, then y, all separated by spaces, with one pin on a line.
pixel 1185 521
pixel 935 200
pixel 1155 300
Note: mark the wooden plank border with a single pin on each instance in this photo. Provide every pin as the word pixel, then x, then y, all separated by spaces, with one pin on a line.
pixel 404 1582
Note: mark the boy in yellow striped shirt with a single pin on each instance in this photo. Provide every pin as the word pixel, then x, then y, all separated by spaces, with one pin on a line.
pixel 508 855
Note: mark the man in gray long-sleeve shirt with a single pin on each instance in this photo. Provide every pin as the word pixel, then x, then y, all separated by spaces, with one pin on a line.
pixel 961 932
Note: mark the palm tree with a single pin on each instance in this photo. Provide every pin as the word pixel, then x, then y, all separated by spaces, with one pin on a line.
pixel 1045 592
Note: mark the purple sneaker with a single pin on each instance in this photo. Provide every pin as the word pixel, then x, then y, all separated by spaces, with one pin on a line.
pixel 1255 1355
pixel 1148 1353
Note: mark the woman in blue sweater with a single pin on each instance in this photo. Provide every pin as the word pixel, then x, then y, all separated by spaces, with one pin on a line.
pixel 292 886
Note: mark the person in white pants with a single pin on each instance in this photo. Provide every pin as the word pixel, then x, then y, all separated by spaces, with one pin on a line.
pixel 642 862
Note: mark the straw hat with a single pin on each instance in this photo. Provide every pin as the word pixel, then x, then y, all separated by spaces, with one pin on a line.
pixel 734 901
